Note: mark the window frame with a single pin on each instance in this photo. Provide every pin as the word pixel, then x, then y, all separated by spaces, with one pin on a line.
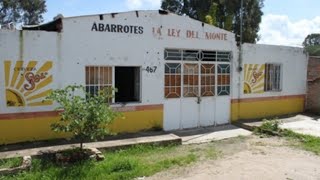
pixel 280 81
pixel 113 103
pixel 200 61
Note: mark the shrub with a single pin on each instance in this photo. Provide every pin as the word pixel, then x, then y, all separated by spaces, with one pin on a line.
pixel 269 127
pixel 84 115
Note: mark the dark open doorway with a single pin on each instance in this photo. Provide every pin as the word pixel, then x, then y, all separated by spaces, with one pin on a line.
pixel 127 81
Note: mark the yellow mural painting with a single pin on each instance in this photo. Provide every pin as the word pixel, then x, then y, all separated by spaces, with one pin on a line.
pixel 253 78
pixel 27 83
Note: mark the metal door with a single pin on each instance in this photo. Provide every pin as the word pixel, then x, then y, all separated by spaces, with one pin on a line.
pixel 193 81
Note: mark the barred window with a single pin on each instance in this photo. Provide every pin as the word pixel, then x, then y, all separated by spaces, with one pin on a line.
pixel 172 54
pixel 209 55
pixel 223 79
pixel 272 77
pixel 190 80
pixel 207 79
pixel 223 56
pixel 125 79
pixel 172 80
pixel 195 73
pixel 191 55
pixel 98 78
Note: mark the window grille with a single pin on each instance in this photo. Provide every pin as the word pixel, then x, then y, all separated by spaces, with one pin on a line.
pixel 207 79
pixel 223 79
pixel 272 77
pixel 190 80
pixel 209 55
pixel 223 56
pixel 172 54
pixel 190 55
pixel 172 80
pixel 205 73
pixel 98 78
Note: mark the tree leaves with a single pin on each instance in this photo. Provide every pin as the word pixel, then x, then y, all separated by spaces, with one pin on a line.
pixel 312 44
pixel 226 14
pixel 84 115
pixel 28 12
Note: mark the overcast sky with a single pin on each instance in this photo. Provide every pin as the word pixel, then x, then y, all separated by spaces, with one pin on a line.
pixel 285 22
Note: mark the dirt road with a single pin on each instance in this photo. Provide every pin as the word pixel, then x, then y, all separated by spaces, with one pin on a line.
pixel 252 158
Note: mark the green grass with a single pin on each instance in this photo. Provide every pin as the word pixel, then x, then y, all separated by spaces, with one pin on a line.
pixel 9 163
pixel 128 163
pixel 306 142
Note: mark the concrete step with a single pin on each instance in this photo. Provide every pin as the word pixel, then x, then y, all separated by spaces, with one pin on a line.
pixel 102 145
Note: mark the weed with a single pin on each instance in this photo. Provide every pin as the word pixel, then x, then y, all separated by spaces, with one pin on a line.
pixel 269 127
pixel 306 142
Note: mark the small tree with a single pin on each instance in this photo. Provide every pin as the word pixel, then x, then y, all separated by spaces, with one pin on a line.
pixel 84 115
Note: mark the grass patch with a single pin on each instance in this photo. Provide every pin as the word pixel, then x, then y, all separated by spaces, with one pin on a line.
pixel 306 142
pixel 10 163
pixel 138 161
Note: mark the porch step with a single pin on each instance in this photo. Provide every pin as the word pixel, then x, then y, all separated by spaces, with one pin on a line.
pixel 102 145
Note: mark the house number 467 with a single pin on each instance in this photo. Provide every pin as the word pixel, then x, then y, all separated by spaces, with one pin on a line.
pixel 151 69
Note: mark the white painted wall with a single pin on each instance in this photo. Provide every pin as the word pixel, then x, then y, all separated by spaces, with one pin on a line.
pixel 27 46
pixel 78 46
pixel 294 68
pixel 81 46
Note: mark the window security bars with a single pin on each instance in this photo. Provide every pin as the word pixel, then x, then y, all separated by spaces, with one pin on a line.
pixel 194 73
pixel 273 77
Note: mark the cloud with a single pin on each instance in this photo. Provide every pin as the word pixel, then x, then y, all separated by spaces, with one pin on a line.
pixel 280 30
pixel 143 4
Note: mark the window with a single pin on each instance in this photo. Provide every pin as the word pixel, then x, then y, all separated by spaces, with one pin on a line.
pixel 172 86
pixel 223 79
pixel 98 78
pixel 172 54
pixel 207 80
pixel 125 79
pixel 190 80
pixel 194 73
pixel 272 77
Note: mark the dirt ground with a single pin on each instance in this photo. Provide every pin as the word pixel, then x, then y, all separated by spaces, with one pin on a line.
pixel 251 158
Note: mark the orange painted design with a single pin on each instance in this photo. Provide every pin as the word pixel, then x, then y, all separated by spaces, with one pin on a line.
pixel 267 98
pixel 28 115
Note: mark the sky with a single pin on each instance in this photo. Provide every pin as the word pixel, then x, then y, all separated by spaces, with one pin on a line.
pixel 285 22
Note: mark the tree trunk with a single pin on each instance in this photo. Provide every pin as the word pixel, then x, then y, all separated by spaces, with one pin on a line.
pixel 81 145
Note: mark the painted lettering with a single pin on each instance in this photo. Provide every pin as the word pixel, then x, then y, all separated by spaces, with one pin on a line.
pixel 174 32
pixel 255 76
pixel 216 36
pixel 32 79
pixel 113 28
pixel 192 34
pixel 94 27
pixel 156 31
pixel 119 28
pixel 140 30
pixel 101 27
pixel 116 28
pixel 151 69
